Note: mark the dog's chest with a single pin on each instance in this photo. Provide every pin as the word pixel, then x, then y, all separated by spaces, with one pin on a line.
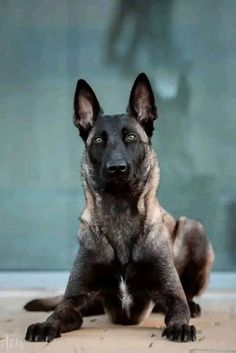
pixel 122 285
pixel 126 297
pixel 122 229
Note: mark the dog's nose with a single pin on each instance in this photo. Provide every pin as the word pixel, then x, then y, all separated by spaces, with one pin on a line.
pixel 119 166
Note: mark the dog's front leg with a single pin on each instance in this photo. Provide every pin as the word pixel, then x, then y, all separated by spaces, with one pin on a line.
pixel 165 287
pixel 177 314
pixel 177 319
pixel 174 302
pixel 65 318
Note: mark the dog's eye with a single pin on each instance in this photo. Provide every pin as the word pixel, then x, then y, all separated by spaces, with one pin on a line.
pixel 98 139
pixel 131 138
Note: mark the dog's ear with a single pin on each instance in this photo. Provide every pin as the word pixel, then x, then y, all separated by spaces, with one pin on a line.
pixel 86 108
pixel 142 103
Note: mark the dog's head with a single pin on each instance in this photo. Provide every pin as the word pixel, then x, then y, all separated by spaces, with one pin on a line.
pixel 117 145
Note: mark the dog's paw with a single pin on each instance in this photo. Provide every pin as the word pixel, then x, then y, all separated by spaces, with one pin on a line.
pixel 195 309
pixel 180 333
pixel 42 332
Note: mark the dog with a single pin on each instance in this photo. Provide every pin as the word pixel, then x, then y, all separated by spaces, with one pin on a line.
pixel 133 257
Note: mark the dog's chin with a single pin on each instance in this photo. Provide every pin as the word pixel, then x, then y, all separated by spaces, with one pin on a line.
pixel 122 180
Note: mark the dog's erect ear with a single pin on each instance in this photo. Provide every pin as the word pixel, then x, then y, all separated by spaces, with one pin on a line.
pixel 142 103
pixel 86 108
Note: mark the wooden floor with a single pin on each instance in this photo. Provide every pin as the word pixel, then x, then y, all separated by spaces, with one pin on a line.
pixel 216 330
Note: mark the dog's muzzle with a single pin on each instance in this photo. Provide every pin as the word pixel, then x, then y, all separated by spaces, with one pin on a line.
pixel 116 170
pixel 117 167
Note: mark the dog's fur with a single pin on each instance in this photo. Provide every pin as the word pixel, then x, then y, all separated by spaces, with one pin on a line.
pixel 133 256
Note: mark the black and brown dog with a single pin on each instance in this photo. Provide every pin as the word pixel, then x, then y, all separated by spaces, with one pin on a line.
pixel 133 256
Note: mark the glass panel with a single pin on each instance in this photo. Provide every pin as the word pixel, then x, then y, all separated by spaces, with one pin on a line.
pixel 188 53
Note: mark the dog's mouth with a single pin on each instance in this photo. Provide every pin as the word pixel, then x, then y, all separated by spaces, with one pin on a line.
pixel 118 187
pixel 116 179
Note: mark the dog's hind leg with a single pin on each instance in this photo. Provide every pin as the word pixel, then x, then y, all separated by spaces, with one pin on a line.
pixel 193 258
pixel 43 304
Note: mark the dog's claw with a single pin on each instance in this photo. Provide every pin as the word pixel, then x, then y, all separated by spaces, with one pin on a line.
pixel 180 333
pixel 42 332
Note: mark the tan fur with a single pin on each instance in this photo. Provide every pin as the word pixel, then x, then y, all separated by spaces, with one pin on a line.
pixel 182 241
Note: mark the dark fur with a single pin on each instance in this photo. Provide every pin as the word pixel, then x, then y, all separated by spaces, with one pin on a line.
pixel 130 248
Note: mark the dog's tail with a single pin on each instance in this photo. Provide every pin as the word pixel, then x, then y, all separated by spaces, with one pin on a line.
pixel 49 304
pixel 44 304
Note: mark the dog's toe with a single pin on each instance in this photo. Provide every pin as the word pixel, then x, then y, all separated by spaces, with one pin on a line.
pixel 180 333
pixel 42 332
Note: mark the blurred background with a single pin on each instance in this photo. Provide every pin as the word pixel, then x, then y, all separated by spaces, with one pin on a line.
pixel 187 48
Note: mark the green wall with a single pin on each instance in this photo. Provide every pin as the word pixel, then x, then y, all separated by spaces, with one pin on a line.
pixel 187 48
